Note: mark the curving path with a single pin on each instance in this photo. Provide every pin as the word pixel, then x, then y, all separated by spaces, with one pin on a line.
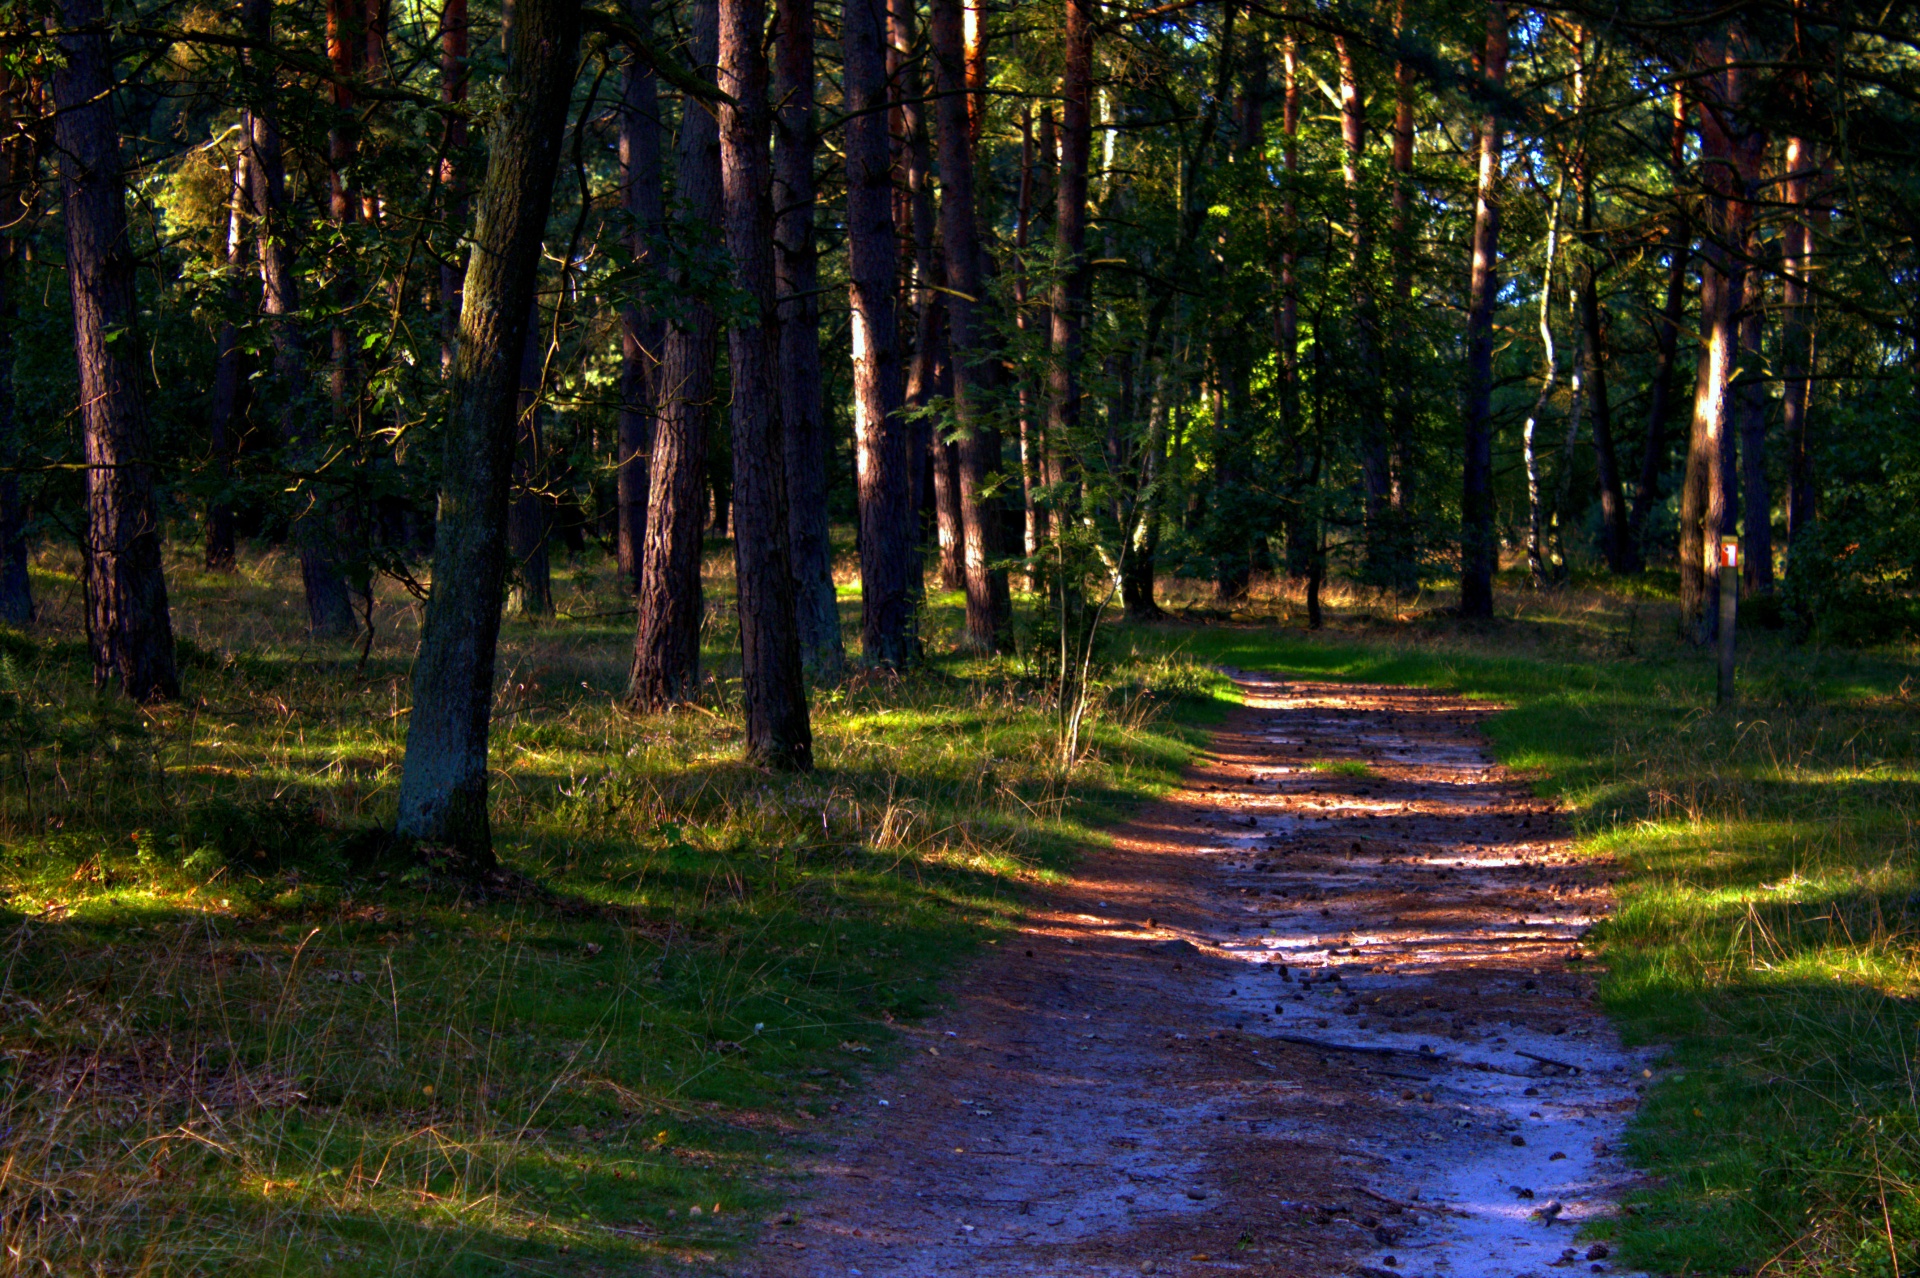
pixel 1299 1020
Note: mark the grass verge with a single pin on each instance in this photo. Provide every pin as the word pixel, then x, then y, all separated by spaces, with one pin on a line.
pixel 233 1040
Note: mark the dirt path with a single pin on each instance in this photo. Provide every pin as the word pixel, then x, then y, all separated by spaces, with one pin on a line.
pixel 1115 1090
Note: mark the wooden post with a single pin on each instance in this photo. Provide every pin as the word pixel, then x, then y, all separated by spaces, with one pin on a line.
pixel 1729 606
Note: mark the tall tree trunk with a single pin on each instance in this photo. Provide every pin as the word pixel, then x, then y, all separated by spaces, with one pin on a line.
pixel 1717 419
pixel 666 642
pixel 129 629
pixel 1143 538
pixel 883 469
pixel 796 265
pixel 1033 517
pixel 1368 375
pixel 224 412
pixel 1653 456
pixel 1797 347
pixel 528 517
pixel 1694 484
pixel 453 182
pixel 329 610
pixel 642 330
pixel 1617 541
pixel 1478 546
pixel 443 780
pixel 1549 374
pixel 1400 250
pixel 949 532
pixel 1750 406
pixel 16 189
pixel 778 732
pixel 329 607
pixel 989 610
pixel 1072 276
pixel 1286 319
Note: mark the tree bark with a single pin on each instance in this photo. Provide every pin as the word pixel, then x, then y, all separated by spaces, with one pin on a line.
pixel 224 412
pixel 1617 540
pixel 1694 600
pixel 1478 547
pixel 1033 516
pixel 16 586
pixel 642 330
pixel 453 184
pixel 989 607
pixel 443 782
pixel 1400 272
pixel 778 732
pixel 880 435
pixel 1072 281
pixel 796 265
pixel 1368 374
pixel 1797 345
pixel 1301 538
pixel 1653 455
pixel 528 517
pixel 129 629
pixel 666 642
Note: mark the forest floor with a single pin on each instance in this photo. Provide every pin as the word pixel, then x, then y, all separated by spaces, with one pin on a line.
pixel 1323 1009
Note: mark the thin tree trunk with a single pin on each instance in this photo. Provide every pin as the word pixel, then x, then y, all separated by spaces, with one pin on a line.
pixel 1367 382
pixel 989 609
pixel 453 183
pixel 443 780
pixel 1797 347
pixel 1694 483
pixel 1549 374
pixel 1653 457
pixel 1286 336
pixel 528 517
pixel 949 532
pixel 642 330
pixel 1478 547
pixel 1755 491
pixel 666 643
pixel 223 413
pixel 1400 250
pixel 880 436
pixel 1618 542
pixel 778 732
pixel 16 586
pixel 1137 572
pixel 1033 516
pixel 1729 215
pixel 1072 275
pixel 796 266
pixel 129 629
pixel 329 610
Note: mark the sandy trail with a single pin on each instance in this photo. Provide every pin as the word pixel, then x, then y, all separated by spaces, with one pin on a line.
pixel 1297 1021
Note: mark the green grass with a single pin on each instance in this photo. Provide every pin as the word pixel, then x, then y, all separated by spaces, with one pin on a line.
pixel 1341 767
pixel 1769 919
pixel 235 1040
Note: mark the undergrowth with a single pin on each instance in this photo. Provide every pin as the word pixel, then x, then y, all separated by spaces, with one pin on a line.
pixel 235 1039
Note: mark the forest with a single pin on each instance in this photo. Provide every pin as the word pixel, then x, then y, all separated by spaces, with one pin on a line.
pixel 569 567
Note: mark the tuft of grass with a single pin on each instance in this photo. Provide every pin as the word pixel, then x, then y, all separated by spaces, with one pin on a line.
pixel 1768 875
pixel 236 1040
pixel 1341 768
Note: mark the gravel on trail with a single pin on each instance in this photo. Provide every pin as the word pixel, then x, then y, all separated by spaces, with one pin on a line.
pixel 1322 1010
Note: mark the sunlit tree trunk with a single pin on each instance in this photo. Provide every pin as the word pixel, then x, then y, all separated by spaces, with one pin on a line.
pixel 796 266
pixel 1478 547
pixel 1797 344
pixel 641 329
pixel 129 629
pixel 666 644
pixel 1072 276
pixel 883 469
pixel 223 412
pixel 989 612
pixel 443 780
